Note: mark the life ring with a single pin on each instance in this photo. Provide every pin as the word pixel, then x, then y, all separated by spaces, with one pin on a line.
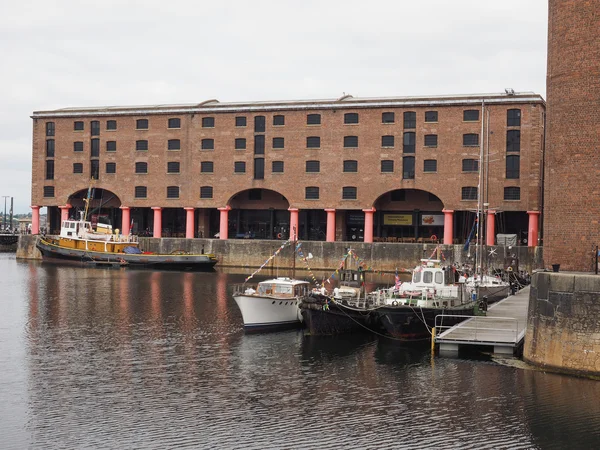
pixel 433 237
pixel 510 269
pixel 394 303
pixel 278 235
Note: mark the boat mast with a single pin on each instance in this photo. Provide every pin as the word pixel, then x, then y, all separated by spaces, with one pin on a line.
pixel 294 247
pixel 480 186
pixel 87 200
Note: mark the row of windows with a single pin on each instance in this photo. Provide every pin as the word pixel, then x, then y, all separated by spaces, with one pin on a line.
pixel 513 143
pixel 310 192
pixel 312 166
pixel 513 119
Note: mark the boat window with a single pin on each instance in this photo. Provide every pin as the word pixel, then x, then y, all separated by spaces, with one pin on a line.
pixel 282 289
pixel 416 277
pixel 427 276
pixel 439 278
pixel 72 225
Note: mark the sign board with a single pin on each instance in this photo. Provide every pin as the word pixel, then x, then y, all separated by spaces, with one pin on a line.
pixel 506 239
pixel 436 220
pixel 397 219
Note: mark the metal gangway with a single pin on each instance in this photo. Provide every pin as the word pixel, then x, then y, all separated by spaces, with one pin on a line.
pixel 503 327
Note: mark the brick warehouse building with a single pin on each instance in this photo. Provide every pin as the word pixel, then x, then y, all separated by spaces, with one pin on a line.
pixel 572 189
pixel 380 169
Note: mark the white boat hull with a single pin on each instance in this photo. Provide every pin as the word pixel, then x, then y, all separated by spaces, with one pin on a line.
pixel 268 311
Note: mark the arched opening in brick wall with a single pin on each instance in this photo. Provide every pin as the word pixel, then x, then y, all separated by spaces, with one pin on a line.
pixel 408 215
pixel 259 214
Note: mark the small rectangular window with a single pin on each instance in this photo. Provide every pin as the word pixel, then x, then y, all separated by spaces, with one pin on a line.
pixel 349 193
pixel 95 126
pixel 173 144
pixel 430 165
pixel 469 193
pixel 141 145
pixel 111 167
pixel 471 115
pixel 206 192
pixel 240 121
pixel 240 143
pixel 207 166
pixel 141 124
pixel 408 167
pixel 141 192
pixel 173 167
pixel 470 165
pixel 388 117
pixel 111 124
pixel 239 167
pixel 259 168
pixel 387 166
pixel 95 148
pixel 95 169
pixel 50 169
pixel 431 116
pixel 50 148
pixel 410 119
pixel 207 144
pixel 470 140
pixel 513 118
pixel 350 118
pixel 50 130
pixel 278 142
pixel 350 166
pixel 313 166
pixel 313 142
pixel 78 146
pixel 259 124
pixel 513 141
pixel 141 167
pixel 77 168
pixel 512 193
pixel 277 167
pixel 111 146
pixel 350 141
pixel 78 125
pixel 513 169
pixel 311 193
pixel 431 140
pixel 278 120
pixel 208 122
pixel 313 119
pixel 259 144
pixel 174 122
pixel 172 191
pixel 48 191
pixel 387 141
pixel 409 142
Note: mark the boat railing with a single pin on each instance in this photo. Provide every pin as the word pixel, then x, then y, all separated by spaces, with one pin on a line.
pixel 480 325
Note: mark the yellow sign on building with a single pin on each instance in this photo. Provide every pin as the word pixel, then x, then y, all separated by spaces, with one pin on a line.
pixel 397 219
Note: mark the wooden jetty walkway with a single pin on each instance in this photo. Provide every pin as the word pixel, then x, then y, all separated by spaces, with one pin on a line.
pixel 502 328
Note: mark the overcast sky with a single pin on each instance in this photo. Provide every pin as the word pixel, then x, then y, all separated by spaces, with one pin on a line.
pixel 60 53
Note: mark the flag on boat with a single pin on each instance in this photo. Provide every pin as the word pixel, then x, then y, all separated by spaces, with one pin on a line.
pixel 398 282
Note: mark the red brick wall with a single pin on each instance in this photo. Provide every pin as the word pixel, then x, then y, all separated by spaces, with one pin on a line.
pixel 369 180
pixel 572 175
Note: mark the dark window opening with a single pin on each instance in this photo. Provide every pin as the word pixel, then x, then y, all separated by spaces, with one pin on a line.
pixel 469 193
pixel 431 116
pixel 173 167
pixel 259 168
pixel 207 166
pixel 141 192
pixel 313 119
pixel 95 149
pixel 259 124
pixel 408 167
pixel 278 142
pixel 240 143
pixel 470 165
pixel 111 146
pixel 349 193
pixel 111 124
pixel 48 191
pixel 207 144
pixel 387 166
pixel 78 146
pixel 95 169
pixel 387 141
pixel 350 118
pixel 350 166
pixel 513 141
pixel 388 117
pixel 470 140
pixel 141 167
pixel 208 122
pixel 206 192
pixel 77 168
pixel 313 166
pixel 50 129
pixel 111 167
pixel 350 141
pixel 431 140
pixel 513 163
pixel 50 147
pixel 174 144
pixel 172 191
pixel 141 145
pixel 78 125
pixel 239 167
pixel 277 167
pixel 512 193
pixel 430 165
pixel 313 142
pixel 278 120
pixel 471 115
pixel 141 124
pixel 513 118
pixel 259 144
pixel 175 122
pixel 240 121
pixel 409 142
pixel 311 193
pixel 410 120
pixel 50 169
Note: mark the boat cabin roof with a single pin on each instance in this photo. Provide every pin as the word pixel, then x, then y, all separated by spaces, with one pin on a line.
pixel 284 281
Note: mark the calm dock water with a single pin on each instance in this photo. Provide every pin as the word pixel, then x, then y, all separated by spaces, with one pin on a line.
pixel 121 358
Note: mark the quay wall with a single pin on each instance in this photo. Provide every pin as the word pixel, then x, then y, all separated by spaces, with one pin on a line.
pixel 252 253
pixel 563 329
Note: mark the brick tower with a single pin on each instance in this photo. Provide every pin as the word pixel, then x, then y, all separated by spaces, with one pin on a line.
pixel 572 168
